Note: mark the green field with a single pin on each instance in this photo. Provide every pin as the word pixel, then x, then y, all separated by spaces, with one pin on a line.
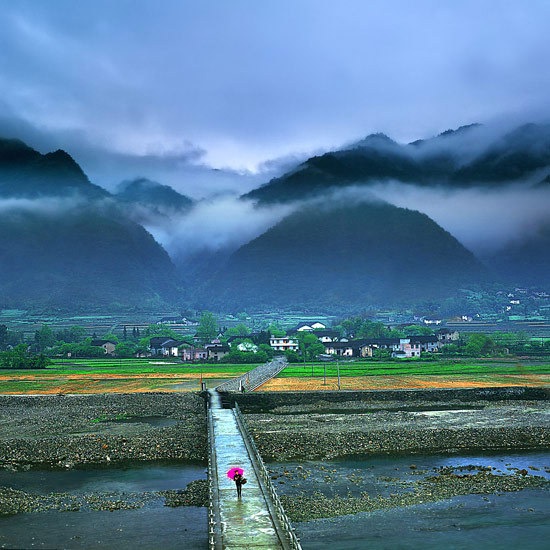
pixel 139 366
pixel 411 368
pixel 104 375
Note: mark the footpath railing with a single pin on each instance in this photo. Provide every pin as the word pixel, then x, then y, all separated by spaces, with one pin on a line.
pixel 214 519
pixel 287 534
pixel 255 378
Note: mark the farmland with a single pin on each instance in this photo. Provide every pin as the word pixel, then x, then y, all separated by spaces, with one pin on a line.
pixel 111 375
pixel 115 376
pixel 365 375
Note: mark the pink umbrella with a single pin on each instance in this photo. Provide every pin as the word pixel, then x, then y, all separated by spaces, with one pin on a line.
pixel 233 471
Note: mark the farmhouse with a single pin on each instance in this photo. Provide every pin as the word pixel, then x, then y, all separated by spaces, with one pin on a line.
pixel 161 345
pixel 407 348
pixel 355 348
pixel 194 354
pixel 108 345
pixel 308 327
pixel 216 351
pixel 327 335
pixel 445 335
pixel 427 343
pixel 283 343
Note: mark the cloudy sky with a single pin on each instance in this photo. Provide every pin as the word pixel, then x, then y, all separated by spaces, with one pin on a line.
pixel 174 88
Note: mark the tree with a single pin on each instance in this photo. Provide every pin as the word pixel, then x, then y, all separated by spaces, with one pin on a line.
pixel 208 327
pixel 44 338
pixel 479 344
pixel 126 349
pixel 3 336
pixel 418 330
pixel 73 334
pixel 309 345
pixel 239 330
pixel 275 330
pixel 159 330
pixel 292 356
pixel 268 350
pixel 20 358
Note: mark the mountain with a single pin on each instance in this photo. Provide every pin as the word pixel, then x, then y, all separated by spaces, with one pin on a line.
pixel 83 258
pixel 25 173
pixel 525 261
pixel 470 156
pixel 151 194
pixel 76 250
pixel 345 257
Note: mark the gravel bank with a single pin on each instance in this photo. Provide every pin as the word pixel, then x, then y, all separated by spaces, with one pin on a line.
pixel 73 431
pixel 69 431
pixel 306 507
pixel 412 425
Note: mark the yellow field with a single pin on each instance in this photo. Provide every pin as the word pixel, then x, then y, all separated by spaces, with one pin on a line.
pixel 80 383
pixel 403 382
pixel 44 384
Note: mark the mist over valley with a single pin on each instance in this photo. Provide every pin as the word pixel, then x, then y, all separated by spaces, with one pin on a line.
pixel 375 224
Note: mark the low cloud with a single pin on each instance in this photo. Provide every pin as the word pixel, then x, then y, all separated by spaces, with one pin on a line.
pixel 482 220
pixel 220 223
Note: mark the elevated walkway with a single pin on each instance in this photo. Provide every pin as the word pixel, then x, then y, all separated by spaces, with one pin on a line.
pixel 257 519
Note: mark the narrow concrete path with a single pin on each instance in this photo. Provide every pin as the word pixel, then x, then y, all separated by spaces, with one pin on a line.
pixel 245 522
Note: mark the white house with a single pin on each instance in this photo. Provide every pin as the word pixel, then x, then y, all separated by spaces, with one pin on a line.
pixel 407 348
pixel 309 327
pixel 283 343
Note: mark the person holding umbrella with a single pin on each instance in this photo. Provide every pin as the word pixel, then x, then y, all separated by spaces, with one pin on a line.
pixel 237 475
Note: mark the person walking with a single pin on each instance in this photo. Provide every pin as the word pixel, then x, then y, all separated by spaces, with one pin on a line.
pixel 239 482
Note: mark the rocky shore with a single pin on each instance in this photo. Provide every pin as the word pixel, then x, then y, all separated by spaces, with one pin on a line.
pixel 419 424
pixel 308 506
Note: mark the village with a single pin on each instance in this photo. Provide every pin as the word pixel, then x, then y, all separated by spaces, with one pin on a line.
pixel 334 345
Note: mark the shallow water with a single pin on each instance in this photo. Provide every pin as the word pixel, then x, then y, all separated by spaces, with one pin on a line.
pixel 152 526
pixel 506 521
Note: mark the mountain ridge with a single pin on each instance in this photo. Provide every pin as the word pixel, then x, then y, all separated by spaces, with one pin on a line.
pixel 437 161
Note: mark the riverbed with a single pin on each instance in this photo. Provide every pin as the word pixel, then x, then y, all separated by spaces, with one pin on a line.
pixel 394 502
pixel 123 507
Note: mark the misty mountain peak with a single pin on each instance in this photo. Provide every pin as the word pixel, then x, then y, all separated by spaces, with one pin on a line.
pixel 61 160
pixel 25 173
pixel 376 140
pixel 151 193
pixel 460 130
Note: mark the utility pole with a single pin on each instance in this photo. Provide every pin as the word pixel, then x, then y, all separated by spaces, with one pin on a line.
pixel 338 368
